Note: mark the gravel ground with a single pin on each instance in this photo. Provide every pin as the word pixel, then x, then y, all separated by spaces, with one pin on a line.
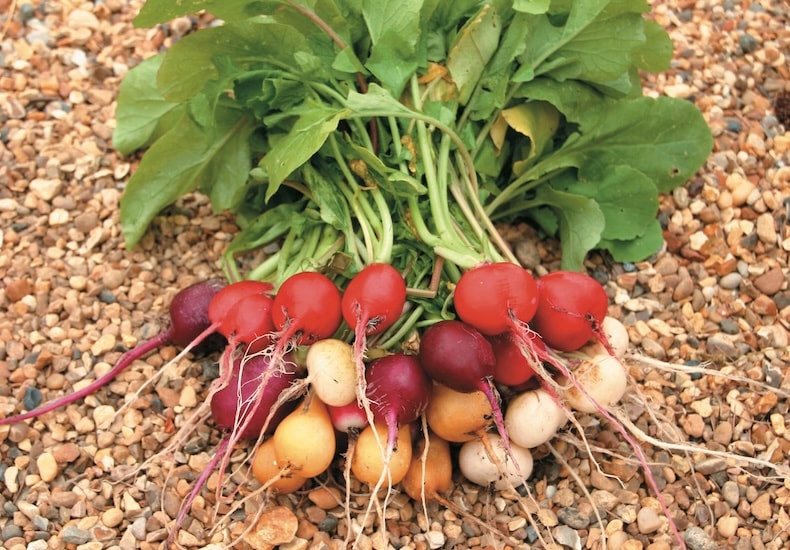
pixel 708 319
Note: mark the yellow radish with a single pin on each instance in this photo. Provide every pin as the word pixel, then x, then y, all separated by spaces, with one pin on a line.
pixel 305 439
pixel 369 462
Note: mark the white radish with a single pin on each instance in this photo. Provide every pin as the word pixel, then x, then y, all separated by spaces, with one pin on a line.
pixel 533 418
pixel 477 465
pixel 332 371
pixel 602 377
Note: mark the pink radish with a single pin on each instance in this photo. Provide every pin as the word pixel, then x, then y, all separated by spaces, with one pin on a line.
pixel 189 326
pixel 306 309
pixel 512 367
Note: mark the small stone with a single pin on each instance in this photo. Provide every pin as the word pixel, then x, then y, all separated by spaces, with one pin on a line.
pixel 697 539
pixel 567 537
pixel 766 228
pixel 74 535
pixel 711 465
pixel 435 539
pixel 47 467
pixel 771 281
pixel 731 281
pixel 325 498
pixel 647 520
pixel 761 508
pixel 66 452
pixel 18 289
pixel 727 526
pixel 573 518
pixel 46 189
pixel 10 477
pixel 693 425
pixel 105 343
pixel 731 493
pixel 112 517
pixel 82 19
pixel 188 398
pixel 277 525
pixel 113 278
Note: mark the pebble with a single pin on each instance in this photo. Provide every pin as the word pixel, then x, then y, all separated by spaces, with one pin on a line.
pixel 697 539
pixel 74 535
pixel 731 281
pixel 48 467
pixel 761 507
pixel 648 521
pixel 727 525
pixel 567 537
pixel 771 281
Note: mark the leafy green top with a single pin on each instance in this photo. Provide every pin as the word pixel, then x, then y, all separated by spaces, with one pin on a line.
pixel 364 127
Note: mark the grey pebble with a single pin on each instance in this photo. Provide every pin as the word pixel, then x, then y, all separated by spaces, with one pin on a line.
pixel 731 281
pixel 10 531
pixel 573 518
pixel 731 493
pixel 567 537
pixel 74 535
pixel 697 539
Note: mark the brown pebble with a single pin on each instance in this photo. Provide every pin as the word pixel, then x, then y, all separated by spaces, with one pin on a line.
pixel 18 289
pixel 771 281
pixel 325 498
pixel 693 425
pixel 63 499
pixel 761 508
pixel 276 525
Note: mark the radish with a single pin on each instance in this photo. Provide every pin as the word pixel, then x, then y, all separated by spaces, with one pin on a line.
pixel 453 353
pixel 601 381
pixel 331 371
pixel 369 465
pixel 398 390
pixel 431 470
pixel 496 297
pixel 457 416
pixel 349 418
pixel 533 418
pixel 245 404
pixel 268 471
pixel 372 301
pixel 228 296
pixel 189 326
pixel 512 366
pixel 571 308
pixel 489 463
pixel 306 309
pixel 249 321
pixel 305 439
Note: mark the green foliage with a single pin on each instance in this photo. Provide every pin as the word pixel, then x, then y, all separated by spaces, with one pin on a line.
pixel 374 128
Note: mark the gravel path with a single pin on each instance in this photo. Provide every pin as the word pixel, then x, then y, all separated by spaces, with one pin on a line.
pixel 708 318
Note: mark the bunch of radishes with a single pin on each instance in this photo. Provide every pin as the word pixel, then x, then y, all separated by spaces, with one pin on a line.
pixel 301 366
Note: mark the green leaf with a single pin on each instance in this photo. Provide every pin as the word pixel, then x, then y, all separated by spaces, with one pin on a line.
pixel 193 61
pixel 184 158
pixel 594 43
pixel 655 54
pixel 666 139
pixel 154 12
pixel 635 250
pixel 531 6
pixel 266 228
pixel 581 224
pixel 332 205
pixel 394 29
pixel 475 45
pixel 627 199
pixel 142 110
pixel 304 139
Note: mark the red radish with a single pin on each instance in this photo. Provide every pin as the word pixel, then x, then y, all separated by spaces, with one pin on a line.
pixel 249 321
pixel 453 353
pixel 246 402
pixel 228 297
pixel 306 309
pixel 398 390
pixel 189 326
pixel 496 297
pixel 571 308
pixel 513 367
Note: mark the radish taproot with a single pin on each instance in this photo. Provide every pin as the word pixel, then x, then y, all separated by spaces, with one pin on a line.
pixel 350 418
pixel 189 326
pixel 331 371
pixel 571 308
pixel 306 309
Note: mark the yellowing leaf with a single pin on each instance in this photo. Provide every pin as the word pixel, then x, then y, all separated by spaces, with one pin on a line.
pixel 537 120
